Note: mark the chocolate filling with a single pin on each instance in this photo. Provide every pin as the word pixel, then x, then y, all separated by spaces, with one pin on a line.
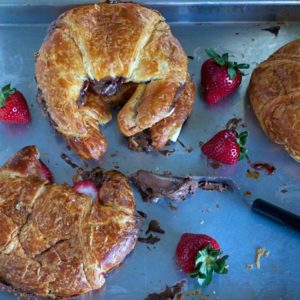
pixel 154 227
pixel 170 293
pixel 82 96
pixel 107 86
pixel 152 186
pixel 141 141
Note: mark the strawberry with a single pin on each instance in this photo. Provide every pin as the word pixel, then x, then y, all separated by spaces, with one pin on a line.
pixel 45 172
pixel 13 106
pixel 86 187
pixel 200 256
pixel 220 77
pixel 226 147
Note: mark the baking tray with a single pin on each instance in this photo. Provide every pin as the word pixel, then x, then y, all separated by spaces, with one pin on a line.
pixel 232 26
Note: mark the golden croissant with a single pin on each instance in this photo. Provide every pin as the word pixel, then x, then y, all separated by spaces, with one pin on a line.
pixel 54 241
pixel 275 97
pixel 98 55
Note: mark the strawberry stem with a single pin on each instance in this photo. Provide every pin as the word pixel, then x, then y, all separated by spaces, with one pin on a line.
pixel 242 140
pixel 209 261
pixel 232 67
pixel 5 92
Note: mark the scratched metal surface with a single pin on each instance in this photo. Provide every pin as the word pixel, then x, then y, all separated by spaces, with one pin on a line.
pixel 231 27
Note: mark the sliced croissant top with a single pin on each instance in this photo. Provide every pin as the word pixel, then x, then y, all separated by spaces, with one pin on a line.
pixel 275 97
pixel 106 45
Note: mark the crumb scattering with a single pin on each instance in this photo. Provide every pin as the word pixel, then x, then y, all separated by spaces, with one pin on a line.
pixel 259 253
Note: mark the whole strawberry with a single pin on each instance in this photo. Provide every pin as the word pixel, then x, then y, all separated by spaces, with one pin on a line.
pixel 220 77
pixel 200 256
pixel 226 147
pixel 13 106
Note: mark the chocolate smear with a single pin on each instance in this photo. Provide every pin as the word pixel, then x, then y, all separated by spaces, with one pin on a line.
pixel 215 165
pixel 273 29
pixel 142 214
pixel 174 292
pixel 166 152
pixel 187 149
pixel 284 191
pixel 150 239
pixel 269 169
pixel 107 86
pixel 214 186
pixel 153 186
pixel 234 124
pixel 154 227
pixel 68 160
pixel 190 57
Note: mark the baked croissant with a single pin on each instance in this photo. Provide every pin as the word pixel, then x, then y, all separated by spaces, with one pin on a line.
pixel 94 52
pixel 56 242
pixel 275 97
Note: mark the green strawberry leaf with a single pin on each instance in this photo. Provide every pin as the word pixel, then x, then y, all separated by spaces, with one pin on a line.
pixel 5 92
pixel 231 72
pixel 225 57
pixel 241 141
pixel 215 56
pixel 243 66
pixel 208 261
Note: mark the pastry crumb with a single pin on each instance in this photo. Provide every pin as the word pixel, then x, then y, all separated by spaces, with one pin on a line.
pixel 267 254
pixel 249 266
pixel 259 253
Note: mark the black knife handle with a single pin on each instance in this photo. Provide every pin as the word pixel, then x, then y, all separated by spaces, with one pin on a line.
pixel 276 213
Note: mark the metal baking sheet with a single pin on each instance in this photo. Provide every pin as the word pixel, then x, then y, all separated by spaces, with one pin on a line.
pixel 232 26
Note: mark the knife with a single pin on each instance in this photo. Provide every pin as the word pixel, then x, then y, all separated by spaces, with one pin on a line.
pixel 155 186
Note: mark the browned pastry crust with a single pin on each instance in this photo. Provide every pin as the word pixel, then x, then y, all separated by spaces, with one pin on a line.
pixel 104 46
pixel 55 242
pixel 275 97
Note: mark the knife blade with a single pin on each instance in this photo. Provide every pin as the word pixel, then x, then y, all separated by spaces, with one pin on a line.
pixel 154 186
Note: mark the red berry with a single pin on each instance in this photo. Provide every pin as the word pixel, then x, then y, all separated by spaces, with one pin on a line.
pixel 86 187
pixel 45 172
pixel 220 77
pixel 199 255
pixel 13 106
pixel 226 147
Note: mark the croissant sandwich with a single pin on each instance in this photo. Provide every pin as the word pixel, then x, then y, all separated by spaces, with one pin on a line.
pixel 54 241
pixel 119 54
pixel 275 97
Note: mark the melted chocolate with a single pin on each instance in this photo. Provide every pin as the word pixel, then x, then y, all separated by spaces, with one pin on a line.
pixel 235 124
pixel 142 214
pixel 150 239
pixel 68 160
pixel 174 292
pixel 140 142
pixel 82 97
pixel 154 227
pixel 107 86
pixel 274 29
pixel 269 169
pixel 253 175
pixel 153 187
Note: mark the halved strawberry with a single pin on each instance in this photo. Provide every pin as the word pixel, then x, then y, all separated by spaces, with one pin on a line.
pixel 200 256
pixel 45 172
pixel 86 187
pixel 13 106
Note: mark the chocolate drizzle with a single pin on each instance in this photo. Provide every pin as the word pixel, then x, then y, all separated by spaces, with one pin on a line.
pixel 82 96
pixel 269 169
pixel 107 86
pixel 170 293
pixel 141 141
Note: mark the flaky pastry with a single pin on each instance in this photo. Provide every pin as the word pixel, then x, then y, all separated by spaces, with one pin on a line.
pixel 122 50
pixel 54 241
pixel 275 97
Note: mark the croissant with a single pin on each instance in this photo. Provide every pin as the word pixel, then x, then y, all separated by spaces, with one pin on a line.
pixel 105 54
pixel 55 242
pixel 275 97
